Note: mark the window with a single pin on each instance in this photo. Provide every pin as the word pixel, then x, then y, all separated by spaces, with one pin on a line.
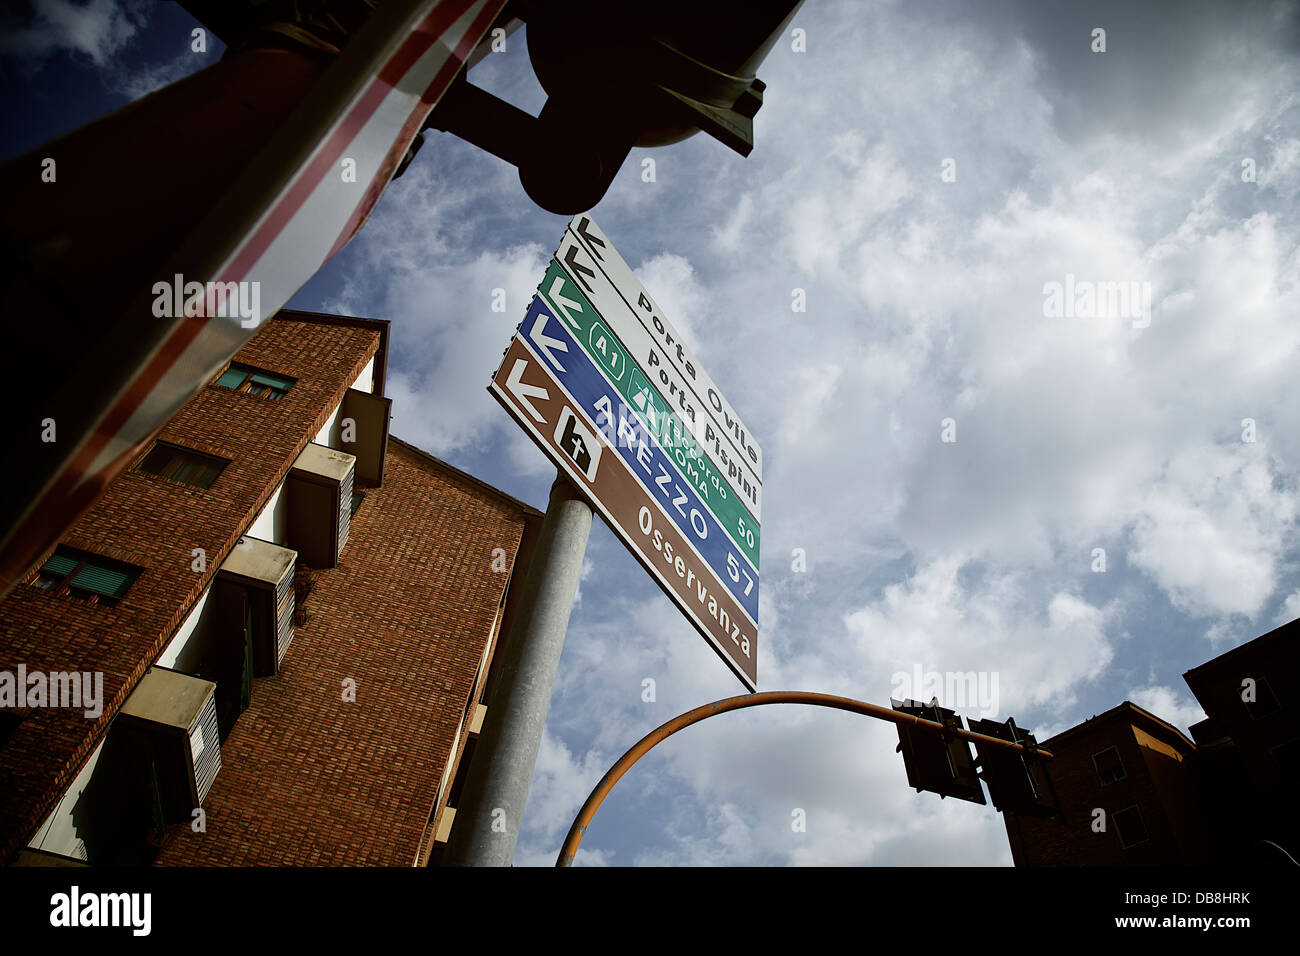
pixel 1109 767
pixel 91 578
pixel 183 465
pixel 255 381
pixel 1129 826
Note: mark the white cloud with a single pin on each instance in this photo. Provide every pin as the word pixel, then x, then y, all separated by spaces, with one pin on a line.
pixel 584 572
pixel 1213 529
pixel 452 314
pixel 1032 653
pixel 141 82
pixel 1290 609
pixel 96 29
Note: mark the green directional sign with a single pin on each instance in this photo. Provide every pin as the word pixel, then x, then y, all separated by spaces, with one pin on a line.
pixel 654 412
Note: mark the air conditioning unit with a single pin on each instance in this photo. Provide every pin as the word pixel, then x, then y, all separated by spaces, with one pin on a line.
pixel 369 415
pixel 320 504
pixel 168 727
pixel 260 574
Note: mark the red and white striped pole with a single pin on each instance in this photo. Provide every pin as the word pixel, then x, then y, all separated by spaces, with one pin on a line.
pixel 253 172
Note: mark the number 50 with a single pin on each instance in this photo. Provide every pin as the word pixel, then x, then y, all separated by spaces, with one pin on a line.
pixel 745 533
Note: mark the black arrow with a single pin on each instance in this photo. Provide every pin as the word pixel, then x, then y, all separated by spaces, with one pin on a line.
pixel 582 231
pixel 576 267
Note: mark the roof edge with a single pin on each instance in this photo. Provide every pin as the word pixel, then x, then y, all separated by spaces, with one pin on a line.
pixel 468 478
pixel 1254 644
pixel 1127 705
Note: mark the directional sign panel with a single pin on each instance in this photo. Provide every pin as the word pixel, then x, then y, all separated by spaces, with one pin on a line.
pixel 527 386
pixel 645 457
pixel 609 391
pixel 668 424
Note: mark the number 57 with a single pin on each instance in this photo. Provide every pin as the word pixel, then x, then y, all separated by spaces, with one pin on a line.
pixel 735 570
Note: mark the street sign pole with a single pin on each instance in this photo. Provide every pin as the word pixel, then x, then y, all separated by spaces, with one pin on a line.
pixel 492 805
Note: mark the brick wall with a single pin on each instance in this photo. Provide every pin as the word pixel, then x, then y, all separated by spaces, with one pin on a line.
pixel 311 779
pixel 155 524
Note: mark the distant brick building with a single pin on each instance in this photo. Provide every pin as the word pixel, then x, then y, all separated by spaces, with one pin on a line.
pixel 1225 796
pixel 293 617
pixel 1136 771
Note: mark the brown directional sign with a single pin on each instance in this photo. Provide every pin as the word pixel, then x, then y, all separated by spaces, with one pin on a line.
pixel 527 389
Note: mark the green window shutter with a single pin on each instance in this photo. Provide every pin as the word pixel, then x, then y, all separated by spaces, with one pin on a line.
pixel 275 381
pixel 59 564
pixel 232 377
pixel 101 580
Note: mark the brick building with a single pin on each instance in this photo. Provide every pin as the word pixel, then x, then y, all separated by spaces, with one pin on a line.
pixel 1250 745
pixel 293 617
pixel 1136 770
pixel 1225 796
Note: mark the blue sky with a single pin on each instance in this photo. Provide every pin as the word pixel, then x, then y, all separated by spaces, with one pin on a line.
pixel 925 302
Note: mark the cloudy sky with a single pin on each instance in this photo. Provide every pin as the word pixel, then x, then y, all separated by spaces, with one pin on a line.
pixel 923 172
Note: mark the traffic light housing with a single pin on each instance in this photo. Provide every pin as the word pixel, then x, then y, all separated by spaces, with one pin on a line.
pixel 619 76
pixel 937 761
pixel 1017 779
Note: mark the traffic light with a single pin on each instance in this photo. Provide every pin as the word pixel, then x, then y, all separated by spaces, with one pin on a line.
pixel 1017 779
pixel 616 76
pixel 935 760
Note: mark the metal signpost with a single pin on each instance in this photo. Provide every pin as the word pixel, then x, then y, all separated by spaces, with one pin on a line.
pixel 606 387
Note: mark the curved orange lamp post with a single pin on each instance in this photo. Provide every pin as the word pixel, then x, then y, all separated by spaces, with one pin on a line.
pixel 663 731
